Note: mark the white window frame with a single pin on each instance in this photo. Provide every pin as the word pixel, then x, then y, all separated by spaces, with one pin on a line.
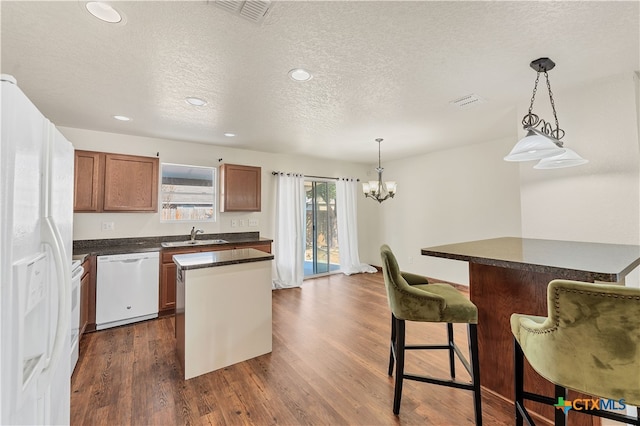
pixel 165 194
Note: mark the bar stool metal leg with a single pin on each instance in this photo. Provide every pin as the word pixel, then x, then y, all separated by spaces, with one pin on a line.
pixel 452 359
pixel 560 415
pixel 400 343
pixel 518 360
pixel 475 371
pixel 392 345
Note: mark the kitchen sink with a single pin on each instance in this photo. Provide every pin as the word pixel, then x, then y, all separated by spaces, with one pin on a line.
pixel 192 243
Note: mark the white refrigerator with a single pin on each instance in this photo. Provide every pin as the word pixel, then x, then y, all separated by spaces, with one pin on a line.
pixel 36 219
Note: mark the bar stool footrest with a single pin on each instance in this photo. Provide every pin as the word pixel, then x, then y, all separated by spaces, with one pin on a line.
pixel 436 381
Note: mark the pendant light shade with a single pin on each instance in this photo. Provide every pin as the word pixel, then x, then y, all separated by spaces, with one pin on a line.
pixel 534 147
pixel 544 139
pixel 569 158
pixel 391 186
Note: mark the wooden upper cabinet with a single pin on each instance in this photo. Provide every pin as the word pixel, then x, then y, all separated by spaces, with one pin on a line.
pixel 106 182
pixel 130 183
pixel 86 197
pixel 240 188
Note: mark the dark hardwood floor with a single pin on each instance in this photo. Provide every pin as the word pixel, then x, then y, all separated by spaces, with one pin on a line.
pixel 328 367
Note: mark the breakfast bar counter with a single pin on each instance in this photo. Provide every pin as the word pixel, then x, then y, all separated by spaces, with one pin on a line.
pixel 223 308
pixel 510 275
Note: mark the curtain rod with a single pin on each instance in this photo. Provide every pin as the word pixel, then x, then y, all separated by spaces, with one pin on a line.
pixel 311 176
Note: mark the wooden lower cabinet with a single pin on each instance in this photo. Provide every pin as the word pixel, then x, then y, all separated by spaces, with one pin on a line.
pixel 84 296
pixel 167 302
pixel 168 290
pixel 88 296
pixel 258 246
pixel 167 299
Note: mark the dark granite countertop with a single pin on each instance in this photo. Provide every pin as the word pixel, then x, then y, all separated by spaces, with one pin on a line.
pixel 570 259
pixel 219 258
pixel 145 244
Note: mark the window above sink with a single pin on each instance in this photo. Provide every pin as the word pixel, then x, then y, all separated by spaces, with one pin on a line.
pixel 188 193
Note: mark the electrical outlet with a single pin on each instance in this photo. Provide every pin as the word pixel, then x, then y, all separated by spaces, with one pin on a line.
pixel 234 223
pixel 242 222
pixel 253 222
pixel 108 226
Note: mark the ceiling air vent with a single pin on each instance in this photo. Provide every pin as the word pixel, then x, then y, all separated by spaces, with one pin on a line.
pixel 468 101
pixel 253 10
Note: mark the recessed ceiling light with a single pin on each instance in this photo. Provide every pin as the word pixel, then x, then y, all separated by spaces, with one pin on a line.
pixel 229 134
pixel 104 12
pixel 195 101
pixel 299 74
pixel 121 118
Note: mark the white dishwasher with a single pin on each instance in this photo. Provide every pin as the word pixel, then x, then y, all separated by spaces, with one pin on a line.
pixel 126 288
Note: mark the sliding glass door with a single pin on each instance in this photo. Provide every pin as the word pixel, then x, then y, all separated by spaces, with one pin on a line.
pixel 321 251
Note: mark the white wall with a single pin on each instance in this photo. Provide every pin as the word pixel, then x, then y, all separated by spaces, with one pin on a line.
pixel 599 201
pixel 450 196
pixel 88 225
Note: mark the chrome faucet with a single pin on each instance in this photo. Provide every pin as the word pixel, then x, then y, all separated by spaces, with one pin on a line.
pixel 195 232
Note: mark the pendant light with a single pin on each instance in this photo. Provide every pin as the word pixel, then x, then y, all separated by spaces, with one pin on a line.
pixel 568 158
pixel 379 190
pixel 543 140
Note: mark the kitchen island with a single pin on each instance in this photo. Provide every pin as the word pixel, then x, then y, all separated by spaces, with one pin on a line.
pixel 510 275
pixel 223 308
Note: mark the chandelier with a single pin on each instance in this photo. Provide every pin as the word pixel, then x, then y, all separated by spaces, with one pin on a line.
pixel 543 140
pixel 378 189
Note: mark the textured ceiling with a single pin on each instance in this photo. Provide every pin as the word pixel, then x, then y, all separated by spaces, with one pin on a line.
pixel 380 69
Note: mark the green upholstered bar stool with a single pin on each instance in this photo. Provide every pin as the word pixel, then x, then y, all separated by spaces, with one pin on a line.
pixel 589 342
pixel 412 298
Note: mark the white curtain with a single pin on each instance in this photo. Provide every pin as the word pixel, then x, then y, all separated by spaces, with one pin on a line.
pixel 346 206
pixel 290 232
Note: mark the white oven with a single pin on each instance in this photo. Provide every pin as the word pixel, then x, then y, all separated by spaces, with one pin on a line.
pixel 76 274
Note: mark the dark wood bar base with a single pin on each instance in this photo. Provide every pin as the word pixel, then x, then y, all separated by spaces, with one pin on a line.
pixel 499 292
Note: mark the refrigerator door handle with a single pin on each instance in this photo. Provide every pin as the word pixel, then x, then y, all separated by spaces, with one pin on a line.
pixel 51 236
